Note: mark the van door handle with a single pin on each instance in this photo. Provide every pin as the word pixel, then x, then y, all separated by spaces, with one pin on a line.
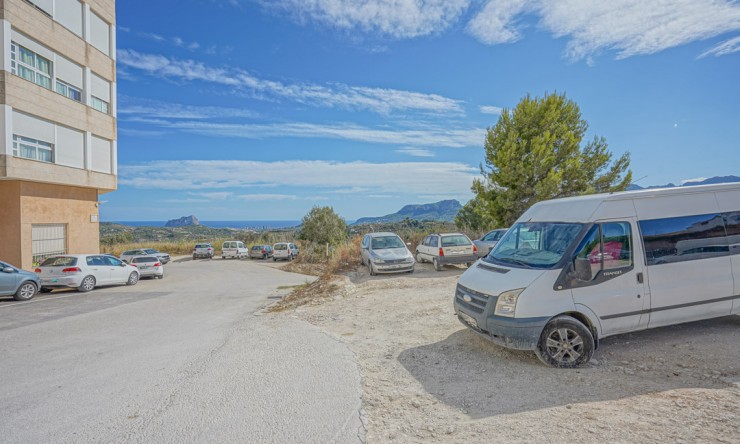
pixel 639 278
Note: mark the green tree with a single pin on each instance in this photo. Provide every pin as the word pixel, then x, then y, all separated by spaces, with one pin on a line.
pixel 323 225
pixel 534 153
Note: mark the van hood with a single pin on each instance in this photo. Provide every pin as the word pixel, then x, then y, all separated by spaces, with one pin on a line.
pixel 494 279
pixel 392 253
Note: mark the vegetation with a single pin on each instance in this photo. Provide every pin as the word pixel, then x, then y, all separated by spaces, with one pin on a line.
pixel 534 153
pixel 323 226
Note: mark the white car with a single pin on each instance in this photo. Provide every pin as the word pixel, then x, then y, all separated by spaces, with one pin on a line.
pixel 234 249
pixel 284 250
pixel 447 248
pixel 149 266
pixel 386 253
pixel 84 272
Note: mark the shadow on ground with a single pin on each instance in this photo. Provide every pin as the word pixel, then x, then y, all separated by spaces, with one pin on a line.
pixel 475 375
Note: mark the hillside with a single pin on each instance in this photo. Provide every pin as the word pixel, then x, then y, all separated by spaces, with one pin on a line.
pixel 442 211
pixel 710 181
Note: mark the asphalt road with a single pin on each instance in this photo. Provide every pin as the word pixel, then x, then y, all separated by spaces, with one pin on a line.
pixel 182 359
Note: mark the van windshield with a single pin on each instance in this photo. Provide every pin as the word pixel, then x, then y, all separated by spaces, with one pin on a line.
pixel 534 244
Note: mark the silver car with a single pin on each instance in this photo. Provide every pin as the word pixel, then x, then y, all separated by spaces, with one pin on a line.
pixel 386 253
pixel 130 254
pixel 284 250
pixel 20 284
pixel 149 266
pixel 84 272
pixel 486 243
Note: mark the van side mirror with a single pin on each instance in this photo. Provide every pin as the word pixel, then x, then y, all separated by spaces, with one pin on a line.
pixel 582 268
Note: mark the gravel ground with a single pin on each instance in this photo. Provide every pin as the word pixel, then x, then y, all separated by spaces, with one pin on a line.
pixel 426 378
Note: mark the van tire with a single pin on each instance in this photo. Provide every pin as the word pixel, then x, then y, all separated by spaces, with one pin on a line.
pixel 565 343
pixel 437 265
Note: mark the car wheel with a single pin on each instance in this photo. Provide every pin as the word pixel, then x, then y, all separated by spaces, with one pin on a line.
pixel 274 259
pixel 193 257
pixel 223 258
pixel 46 290
pixel 133 278
pixel 565 342
pixel 87 284
pixel 412 270
pixel 25 291
pixel 437 265
pixel 372 269
pixel 419 259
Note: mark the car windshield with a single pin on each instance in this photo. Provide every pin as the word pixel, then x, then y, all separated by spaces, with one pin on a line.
pixel 381 243
pixel 59 262
pixel 455 241
pixel 534 244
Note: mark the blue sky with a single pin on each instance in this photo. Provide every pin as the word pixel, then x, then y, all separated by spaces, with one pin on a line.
pixel 261 109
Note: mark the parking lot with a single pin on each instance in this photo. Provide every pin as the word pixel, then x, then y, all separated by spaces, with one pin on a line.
pixel 182 359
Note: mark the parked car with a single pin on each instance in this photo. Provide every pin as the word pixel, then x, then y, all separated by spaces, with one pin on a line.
pixel 149 266
pixel 84 272
pixel 386 253
pixel 284 250
pixel 486 243
pixel 447 248
pixel 21 284
pixel 128 255
pixel 203 250
pixel 234 249
pixel 260 252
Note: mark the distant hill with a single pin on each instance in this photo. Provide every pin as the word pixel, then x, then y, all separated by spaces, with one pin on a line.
pixel 184 221
pixel 442 211
pixel 710 181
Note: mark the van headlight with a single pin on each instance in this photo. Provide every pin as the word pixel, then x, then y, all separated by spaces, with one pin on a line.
pixel 506 303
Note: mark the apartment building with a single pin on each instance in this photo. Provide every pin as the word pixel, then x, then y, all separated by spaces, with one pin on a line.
pixel 57 125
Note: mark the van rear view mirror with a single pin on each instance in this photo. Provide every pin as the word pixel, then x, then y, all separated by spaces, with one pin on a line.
pixel 583 269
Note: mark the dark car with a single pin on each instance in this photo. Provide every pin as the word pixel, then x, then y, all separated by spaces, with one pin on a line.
pixel 260 252
pixel 21 284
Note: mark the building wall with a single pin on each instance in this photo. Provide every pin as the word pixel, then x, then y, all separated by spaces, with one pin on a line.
pixel 28 203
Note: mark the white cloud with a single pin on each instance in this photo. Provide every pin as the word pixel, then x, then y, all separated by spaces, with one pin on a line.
pixel 629 27
pixel 428 136
pixel 438 178
pixel 496 22
pixel 216 195
pixel 266 197
pixel 391 18
pixel 727 47
pixel 145 108
pixel 380 100
pixel 487 109
pixel 415 152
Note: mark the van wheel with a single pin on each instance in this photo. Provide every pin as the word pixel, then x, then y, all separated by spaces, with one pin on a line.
pixel 193 257
pixel 565 342
pixel 437 265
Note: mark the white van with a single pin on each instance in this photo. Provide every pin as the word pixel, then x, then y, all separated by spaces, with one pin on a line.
pixel 234 249
pixel 572 271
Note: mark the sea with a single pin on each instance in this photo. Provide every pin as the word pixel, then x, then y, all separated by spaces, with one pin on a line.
pixel 238 224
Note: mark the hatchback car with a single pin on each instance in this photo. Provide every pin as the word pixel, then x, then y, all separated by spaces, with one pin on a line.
pixel 128 255
pixel 447 248
pixel 385 253
pixel 84 272
pixel 284 250
pixel 20 284
pixel 149 266
pixel 203 250
pixel 486 243
pixel 261 252
pixel 234 249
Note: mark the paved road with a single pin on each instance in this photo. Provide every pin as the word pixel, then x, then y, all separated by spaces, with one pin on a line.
pixel 183 359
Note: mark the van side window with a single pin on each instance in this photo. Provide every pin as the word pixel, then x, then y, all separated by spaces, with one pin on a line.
pixel 732 224
pixel 678 239
pixel 607 247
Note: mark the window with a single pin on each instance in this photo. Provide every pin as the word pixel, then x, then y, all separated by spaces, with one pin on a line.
pixel 99 105
pixel 607 247
pixel 50 240
pixel 534 244
pixel 30 66
pixel 68 90
pixel 455 241
pixel 679 239
pixel 732 225
pixel 32 149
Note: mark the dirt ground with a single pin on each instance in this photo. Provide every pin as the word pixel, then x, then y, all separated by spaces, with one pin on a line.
pixel 426 378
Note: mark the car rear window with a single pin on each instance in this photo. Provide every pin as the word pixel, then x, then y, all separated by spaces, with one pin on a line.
pixel 59 262
pixel 281 246
pixel 455 241
pixel 139 260
pixel 202 245
pixel 257 247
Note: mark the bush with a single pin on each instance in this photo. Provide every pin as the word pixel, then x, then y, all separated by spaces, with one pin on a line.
pixel 323 226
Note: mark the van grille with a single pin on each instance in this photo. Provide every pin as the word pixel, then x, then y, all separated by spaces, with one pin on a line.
pixel 478 300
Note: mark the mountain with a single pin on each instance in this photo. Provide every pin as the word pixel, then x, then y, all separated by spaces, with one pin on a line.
pixel 442 211
pixel 184 221
pixel 710 181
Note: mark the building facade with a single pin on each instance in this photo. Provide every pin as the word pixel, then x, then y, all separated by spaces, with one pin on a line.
pixel 57 125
